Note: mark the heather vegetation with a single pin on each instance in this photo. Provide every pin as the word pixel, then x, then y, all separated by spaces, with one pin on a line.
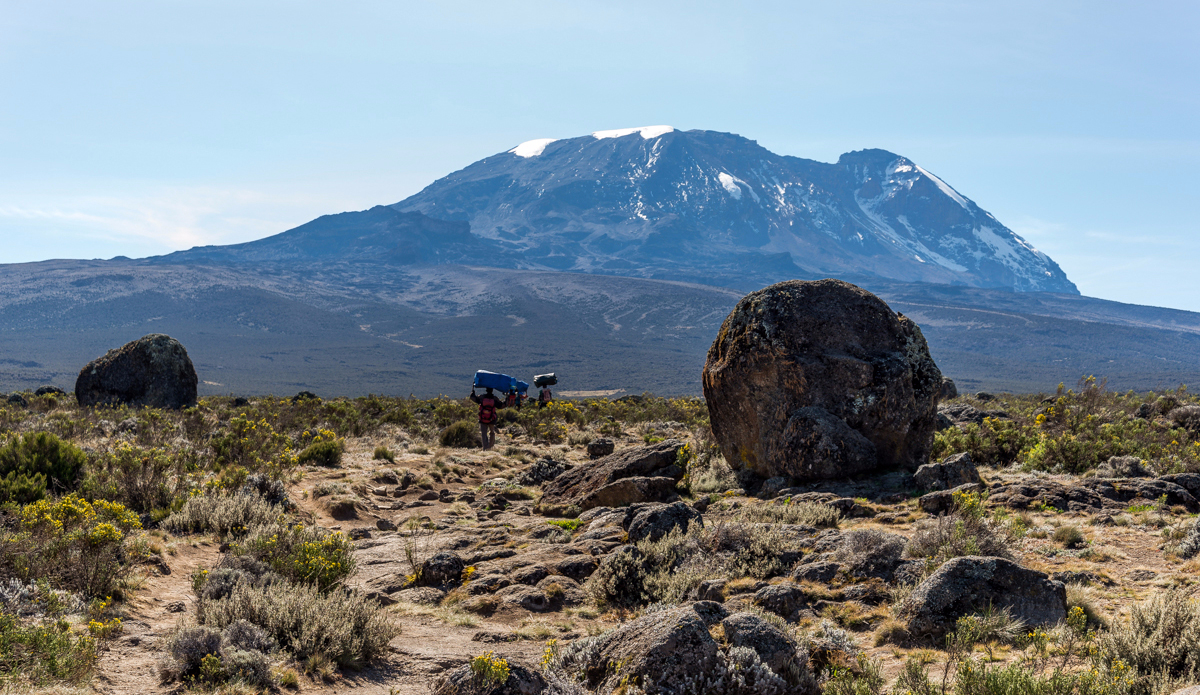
pixel 95 499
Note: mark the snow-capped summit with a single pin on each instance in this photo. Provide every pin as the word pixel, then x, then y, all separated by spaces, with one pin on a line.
pixel 718 208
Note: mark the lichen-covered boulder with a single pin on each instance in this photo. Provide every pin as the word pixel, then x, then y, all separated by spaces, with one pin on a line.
pixel 955 470
pixel 819 380
pixel 654 521
pixel 154 371
pixel 639 474
pixel 966 585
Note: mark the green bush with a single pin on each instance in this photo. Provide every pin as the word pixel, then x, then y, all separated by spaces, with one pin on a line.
pixel 144 480
pixel 803 513
pixel 306 554
pixel 382 453
pixel 71 543
pixel 463 434
pixel 32 463
pixel 325 452
pixel 342 625
pixel 41 654
pixel 1160 639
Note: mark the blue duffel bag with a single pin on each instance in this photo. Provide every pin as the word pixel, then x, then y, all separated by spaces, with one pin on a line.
pixel 499 382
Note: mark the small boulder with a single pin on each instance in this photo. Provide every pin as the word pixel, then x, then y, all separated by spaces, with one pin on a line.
pixel 522 680
pixel 600 447
pixel 541 471
pixel 780 599
pixel 18 399
pixel 154 371
pixel 710 590
pixel 967 585
pixel 655 521
pixel 955 470
pixel 818 572
pixel 771 487
pixel 604 482
pixel 820 380
pixel 942 501
pixel 774 647
pixel 385 525
pixel 49 391
pixel 443 568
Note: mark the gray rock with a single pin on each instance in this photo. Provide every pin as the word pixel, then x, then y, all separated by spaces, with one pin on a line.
pixel 443 568
pixel 154 371
pixel 942 501
pixel 605 482
pixel 967 585
pixel 771 487
pixel 385 525
pixel 781 599
pixel 522 680
pixel 710 590
pixel 772 645
pixel 819 572
pixel 655 521
pixel 1123 467
pixel 949 473
pixel 541 471
pixel 949 390
pixel 600 447
pixel 820 380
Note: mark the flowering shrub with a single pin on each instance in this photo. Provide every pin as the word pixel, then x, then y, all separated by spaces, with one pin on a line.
pixel 305 554
pixel 254 445
pixel 72 543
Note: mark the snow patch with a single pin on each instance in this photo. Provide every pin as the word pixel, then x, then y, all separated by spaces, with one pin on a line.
pixel 531 148
pixel 730 185
pixel 945 188
pixel 648 132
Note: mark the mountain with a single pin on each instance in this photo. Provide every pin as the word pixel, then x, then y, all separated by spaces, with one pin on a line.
pixel 720 209
pixel 611 259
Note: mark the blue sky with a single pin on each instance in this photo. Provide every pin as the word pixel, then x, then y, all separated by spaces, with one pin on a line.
pixel 137 128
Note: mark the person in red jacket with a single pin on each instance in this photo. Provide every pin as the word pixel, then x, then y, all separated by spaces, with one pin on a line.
pixel 489 407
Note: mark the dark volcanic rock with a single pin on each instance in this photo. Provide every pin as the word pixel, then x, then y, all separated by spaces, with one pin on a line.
pixel 953 471
pixel 600 447
pixel 609 481
pixel 942 501
pixel 967 585
pixel 443 568
pixel 522 680
pixel 656 521
pixel 1091 494
pixel 817 380
pixel 48 391
pixel 154 371
pixel 949 390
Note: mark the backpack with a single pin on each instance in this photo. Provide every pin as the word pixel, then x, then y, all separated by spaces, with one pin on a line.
pixel 511 401
pixel 487 410
pixel 545 396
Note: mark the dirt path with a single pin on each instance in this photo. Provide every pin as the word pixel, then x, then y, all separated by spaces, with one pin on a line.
pixel 129 665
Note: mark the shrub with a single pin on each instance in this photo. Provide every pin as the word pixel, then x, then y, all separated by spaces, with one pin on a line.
pixel 965 531
pixel 803 513
pixel 222 514
pixel 40 654
pixel 1160 636
pixel 382 453
pixel 71 543
pixel 255 445
pixel 1069 536
pixel 300 553
pixel 206 655
pixel 142 479
pixel 32 463
pixel 325 452
pixel 463 434
pixel 342 625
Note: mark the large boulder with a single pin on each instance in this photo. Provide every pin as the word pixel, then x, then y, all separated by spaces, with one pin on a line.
pixel 968 585
pixel 522 680
pixel 154 371
pixel 818 380
pixel 640 474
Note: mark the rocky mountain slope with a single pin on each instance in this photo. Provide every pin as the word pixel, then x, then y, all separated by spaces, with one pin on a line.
pixel 718 208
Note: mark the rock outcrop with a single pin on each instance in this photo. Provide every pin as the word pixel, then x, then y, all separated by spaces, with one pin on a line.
pixel 818 380
pixel 640 474
pixel 657 520
pixel 1094 494
pixel 154 371
pixel 967 585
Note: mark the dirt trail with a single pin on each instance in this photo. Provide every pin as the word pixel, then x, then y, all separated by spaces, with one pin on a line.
pixel 129 665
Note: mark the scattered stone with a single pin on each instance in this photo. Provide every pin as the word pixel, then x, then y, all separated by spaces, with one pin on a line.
pixel 780 599
pixel 963 414
pixel 1141 575
pixel 522 680
pixel 652 522
pixel 541 471
pixel 956 470
pixel 358 534
pixel 598 448
pixel 1123 467
pixel 49 391
pixel 385 525
pixel 578 568
pixel 422 595
pixel 966 585
pixel 176 607
pixel 154 371
pixel 818 572
pixel 18 399
pixel 128 426
pixel 1070 577
pixel 710 590
pixel 442 568
pixel 942 501
pixel 429 496
pixel 701 505
pixel 305 396
pixel 616 480
pixel 820 380
pixel 774 647
pixel 771 487
pixel 1091 494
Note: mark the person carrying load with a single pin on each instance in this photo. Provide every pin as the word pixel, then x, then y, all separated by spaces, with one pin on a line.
pixel 489 405
pixel 544 382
